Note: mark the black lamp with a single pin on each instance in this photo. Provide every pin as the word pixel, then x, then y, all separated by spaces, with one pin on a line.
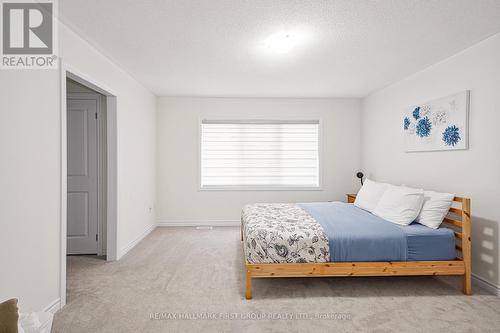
pixel 360 176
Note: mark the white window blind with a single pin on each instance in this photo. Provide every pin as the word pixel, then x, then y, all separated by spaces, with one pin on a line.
pixel 259 154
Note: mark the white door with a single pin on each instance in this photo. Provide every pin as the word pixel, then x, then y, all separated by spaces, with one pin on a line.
pixel 82 176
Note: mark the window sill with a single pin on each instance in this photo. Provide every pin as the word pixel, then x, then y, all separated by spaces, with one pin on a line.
pixel 258 188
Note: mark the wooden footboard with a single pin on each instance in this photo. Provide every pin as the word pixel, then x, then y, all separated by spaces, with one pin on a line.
pixel 458 219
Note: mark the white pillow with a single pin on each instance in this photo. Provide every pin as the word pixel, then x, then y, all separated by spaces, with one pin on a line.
pixel 436 206
pixel 369 195
pixel 400 205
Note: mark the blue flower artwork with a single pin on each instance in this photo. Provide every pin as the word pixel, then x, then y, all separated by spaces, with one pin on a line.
pixel 451 135
pixel 416 113
pixel 440 124
pixel 424 127
pixel 407 123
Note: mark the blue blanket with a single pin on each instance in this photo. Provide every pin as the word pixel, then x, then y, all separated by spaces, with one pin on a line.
pixel 357 235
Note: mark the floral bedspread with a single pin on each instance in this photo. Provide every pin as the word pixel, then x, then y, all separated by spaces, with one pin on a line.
pixel 282 233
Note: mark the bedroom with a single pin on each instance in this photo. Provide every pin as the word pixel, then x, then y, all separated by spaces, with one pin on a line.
pixel 319 91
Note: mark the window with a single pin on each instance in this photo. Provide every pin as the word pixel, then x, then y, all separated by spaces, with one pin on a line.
pixel 259 154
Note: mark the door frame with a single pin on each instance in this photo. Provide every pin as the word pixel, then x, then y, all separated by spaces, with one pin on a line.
pixel 101 171
pixel 67 71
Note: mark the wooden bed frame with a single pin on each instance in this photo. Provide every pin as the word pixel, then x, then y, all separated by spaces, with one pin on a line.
pixel 460 266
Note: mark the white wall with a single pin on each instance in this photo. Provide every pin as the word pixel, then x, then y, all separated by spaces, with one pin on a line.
pixel 30 187
pixel 179 200
pixel 30 150
pixel 474 173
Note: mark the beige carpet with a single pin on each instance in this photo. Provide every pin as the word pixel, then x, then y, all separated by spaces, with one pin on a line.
pixel 189 272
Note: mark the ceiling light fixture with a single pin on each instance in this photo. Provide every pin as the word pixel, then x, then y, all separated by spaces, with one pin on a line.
pixel 281 42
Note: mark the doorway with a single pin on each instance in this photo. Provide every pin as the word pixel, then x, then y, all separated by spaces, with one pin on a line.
pixel 86 170
pixel 107 128
pixel 83 87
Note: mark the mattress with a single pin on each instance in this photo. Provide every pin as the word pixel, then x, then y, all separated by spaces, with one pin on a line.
pixel 337 232
pixel 357 235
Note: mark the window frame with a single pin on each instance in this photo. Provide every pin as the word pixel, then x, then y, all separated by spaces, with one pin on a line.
pixel 211 188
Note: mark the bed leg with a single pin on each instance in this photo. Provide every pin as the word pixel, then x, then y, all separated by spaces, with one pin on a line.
pixel 466 246
pixel 467 284
pixel 248 289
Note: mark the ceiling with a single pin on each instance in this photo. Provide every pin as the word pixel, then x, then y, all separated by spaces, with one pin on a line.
pixel 347 48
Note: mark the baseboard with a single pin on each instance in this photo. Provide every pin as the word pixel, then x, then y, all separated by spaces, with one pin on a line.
pixel 136 241
pixel 488 286
pixel 53 307
pixel 197 223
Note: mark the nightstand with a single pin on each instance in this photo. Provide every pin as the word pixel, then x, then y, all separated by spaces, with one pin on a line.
pixel 351 198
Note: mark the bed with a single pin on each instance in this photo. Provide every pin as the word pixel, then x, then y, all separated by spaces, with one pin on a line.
pixel 338 239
